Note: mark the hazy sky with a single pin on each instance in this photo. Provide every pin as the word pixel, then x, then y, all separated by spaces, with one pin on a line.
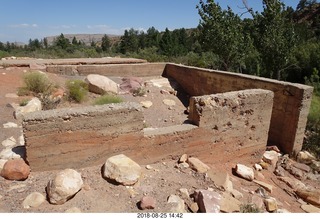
pixel 21 20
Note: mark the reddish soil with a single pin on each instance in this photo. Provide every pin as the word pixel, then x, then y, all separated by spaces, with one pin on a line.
pixel 162 180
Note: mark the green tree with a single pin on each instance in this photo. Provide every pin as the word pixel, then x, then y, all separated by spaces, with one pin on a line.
pixel 152 37
pixel 221 32
pixel 166 43
pixel 62 42
pixel 129 41
pixel 105 43
pixel 275 38
pixel 74 41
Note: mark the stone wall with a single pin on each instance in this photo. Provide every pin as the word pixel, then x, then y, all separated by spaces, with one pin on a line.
pixel 291 101
pixel 240 118
pixel 123 70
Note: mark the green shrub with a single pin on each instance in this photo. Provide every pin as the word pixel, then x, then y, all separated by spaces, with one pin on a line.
pixel 312 140
pixel 23 91
pixel 249 208
pixel 77 90
pixel 24 102
pixel 37 82
pixel 141 91
pixel 106 99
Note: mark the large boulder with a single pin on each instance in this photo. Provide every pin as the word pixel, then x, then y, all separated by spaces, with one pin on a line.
pixel 33 105
pixel 64 186
pixel 15 170
pixel 122 170
pixel 100 84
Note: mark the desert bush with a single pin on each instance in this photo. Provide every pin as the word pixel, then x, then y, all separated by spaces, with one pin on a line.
pixel 37 83
pixel 140 91
pixel 106 99
pixel 249 208
pixel 77 90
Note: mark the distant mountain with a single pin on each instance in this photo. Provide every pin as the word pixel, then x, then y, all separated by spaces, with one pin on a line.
pixel 85 38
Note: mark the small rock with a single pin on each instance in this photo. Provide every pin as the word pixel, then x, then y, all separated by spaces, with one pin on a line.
pixel 178 204
pixel 258 167
pixel 73 210
pixel 198 165
pixel 293 183
pixel 282 211
pixel 279 171
pixel 183 158
pixel 33 200
pixel 315 165
pixel 236 194
pixel 310 176
pixel 208 201
pixel 257 201
pixel 296 172
pixel 133 193
pixel 101 84
pixel 221 180
pixel 169 102
pixel 18 186
pixel 2 162
pixel 15 170
pixel 310 209
pixel 194 207
pixel 266 186
pixel 33 105
pixel 301 201
pixel 21 140
pixel 146 104
pixel 229 204
pixel 9 142
pixel 86 187
pixel 305 157
pixel 8 154
pixel 270 157
pixel 122 169
pixel 264 165
pixel 244 172
pixel 183 166
pixel 273 148
pixel 10 125
pixel 147 202
pixel 309 196
pixel 65 185
pixel 149 167
pixel 271 204
pixel 302 167
pixel 184 192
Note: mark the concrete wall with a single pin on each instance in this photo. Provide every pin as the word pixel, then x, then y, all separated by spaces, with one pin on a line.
pixel 291 101
pixel 124 70
pixel 77 137
pixel 87 136
pixel 240 118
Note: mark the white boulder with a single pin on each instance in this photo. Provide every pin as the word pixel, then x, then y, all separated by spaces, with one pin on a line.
pixel 101 84
pixel 122 169
pixel 64 186
pixel 33 105
pixel 244 172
